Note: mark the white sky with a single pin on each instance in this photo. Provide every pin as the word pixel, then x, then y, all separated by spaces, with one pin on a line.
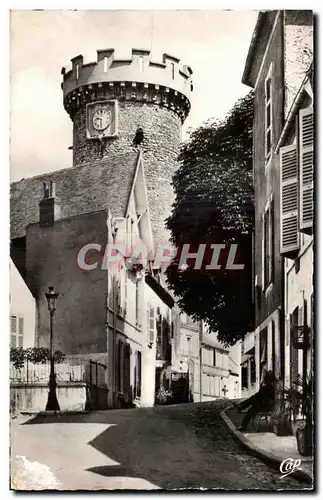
pixel 213 42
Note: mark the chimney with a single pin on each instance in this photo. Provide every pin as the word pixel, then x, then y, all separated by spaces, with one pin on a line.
pixel 49 207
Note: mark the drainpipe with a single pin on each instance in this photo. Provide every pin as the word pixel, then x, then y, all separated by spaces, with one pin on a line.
pixel 200 353
pixel 282 323
pixel 114 336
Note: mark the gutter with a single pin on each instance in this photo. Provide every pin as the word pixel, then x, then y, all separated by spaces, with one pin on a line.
pixel 252 47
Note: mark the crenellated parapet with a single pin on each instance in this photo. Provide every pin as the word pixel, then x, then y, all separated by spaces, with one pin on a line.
pixel 138 78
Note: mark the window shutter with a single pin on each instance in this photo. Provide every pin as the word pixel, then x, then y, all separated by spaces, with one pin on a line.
pixel 14 324
pixel 151 324
pixel 306 168
pixel 119 298
pixel 21 326
pixel 289 237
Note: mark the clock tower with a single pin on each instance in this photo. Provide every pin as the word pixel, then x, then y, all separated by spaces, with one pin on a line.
pixel 110 100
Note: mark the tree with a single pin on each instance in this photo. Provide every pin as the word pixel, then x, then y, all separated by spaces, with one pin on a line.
pixel 214 204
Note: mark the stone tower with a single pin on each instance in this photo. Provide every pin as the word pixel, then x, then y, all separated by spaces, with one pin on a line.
pixel 118 106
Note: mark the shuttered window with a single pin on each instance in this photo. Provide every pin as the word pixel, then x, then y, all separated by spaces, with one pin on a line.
pixel 289 241
pixel 151 324
pixel 137 375
pixel 268 228
pixel 306 168
pixel 16 331
pixel 119 366
pixel 126 372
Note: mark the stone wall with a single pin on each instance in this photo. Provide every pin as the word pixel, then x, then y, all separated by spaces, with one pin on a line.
pixel 51 259
pixel 33 397
pixel 266 177
pixel 160 148
pixel 298 51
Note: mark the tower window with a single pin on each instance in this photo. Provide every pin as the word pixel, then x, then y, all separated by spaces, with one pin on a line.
pixel 173 70
pixel 141 64
pixel 105 64
pixel 77 69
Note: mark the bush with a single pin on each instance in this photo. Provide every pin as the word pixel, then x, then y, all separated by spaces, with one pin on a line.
pixel 18 356
pixel 163 397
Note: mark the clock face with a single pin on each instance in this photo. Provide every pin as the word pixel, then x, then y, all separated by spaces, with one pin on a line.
pixel 101 119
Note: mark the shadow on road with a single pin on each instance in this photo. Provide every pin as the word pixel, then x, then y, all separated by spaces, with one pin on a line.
pixel 157 444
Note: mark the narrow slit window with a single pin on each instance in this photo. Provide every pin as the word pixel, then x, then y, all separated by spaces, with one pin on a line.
pixel 105 64
pixel 141 64
pixel 77 69
pixel 173 70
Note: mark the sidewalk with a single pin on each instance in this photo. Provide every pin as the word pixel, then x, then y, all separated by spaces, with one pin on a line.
pixel 266 445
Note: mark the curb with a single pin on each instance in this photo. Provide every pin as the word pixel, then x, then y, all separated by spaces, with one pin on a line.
pixel 269 458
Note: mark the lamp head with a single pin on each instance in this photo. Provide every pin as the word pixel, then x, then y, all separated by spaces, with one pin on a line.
pixel 51 297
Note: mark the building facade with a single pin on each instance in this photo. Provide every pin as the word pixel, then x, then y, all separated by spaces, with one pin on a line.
pixel 296 150
pixel 213 369
pixel 127 117
pixel 279 56
pixel 22 311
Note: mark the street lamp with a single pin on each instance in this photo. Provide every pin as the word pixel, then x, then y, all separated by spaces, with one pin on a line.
pixel 52 403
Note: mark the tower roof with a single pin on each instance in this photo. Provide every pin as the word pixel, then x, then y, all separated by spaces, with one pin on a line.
pixel 139 68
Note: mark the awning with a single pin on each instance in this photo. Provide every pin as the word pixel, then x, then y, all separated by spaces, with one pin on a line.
pixel 246 357
pixel 159 290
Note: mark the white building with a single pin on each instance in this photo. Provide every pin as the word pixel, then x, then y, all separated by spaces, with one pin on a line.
pixel 22 311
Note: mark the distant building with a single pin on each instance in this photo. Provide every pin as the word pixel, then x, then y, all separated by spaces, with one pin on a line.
pixel 214 371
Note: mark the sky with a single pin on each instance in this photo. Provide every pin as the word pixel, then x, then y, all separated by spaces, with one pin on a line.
pixel 213 42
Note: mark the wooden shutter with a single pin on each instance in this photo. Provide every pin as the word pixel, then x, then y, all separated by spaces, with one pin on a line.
pixel 151 324
pixel 126 372
pixel 21 332
pixel 13 328
pixel 138 374
pixel 118 366
pixel 289 234
pixel 306 168
pixel 119 292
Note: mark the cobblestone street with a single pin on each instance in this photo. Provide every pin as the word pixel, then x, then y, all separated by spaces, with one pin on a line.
pixel 169 447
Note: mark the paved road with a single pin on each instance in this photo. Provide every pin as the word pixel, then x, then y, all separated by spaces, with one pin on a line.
pixel 183 446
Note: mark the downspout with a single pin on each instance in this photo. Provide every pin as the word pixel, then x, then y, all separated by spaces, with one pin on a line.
pixel 200 354
pixel 282 281
pixel 114 336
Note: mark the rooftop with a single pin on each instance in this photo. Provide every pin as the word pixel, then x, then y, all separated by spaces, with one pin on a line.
pixel 80 190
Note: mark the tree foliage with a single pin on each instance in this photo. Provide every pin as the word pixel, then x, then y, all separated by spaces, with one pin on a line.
pixel 214 204
pixel 18 356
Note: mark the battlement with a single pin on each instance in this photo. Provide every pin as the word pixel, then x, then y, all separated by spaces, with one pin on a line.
pixel 137 69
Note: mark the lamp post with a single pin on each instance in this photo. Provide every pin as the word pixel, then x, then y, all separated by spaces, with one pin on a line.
pixel 52 403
